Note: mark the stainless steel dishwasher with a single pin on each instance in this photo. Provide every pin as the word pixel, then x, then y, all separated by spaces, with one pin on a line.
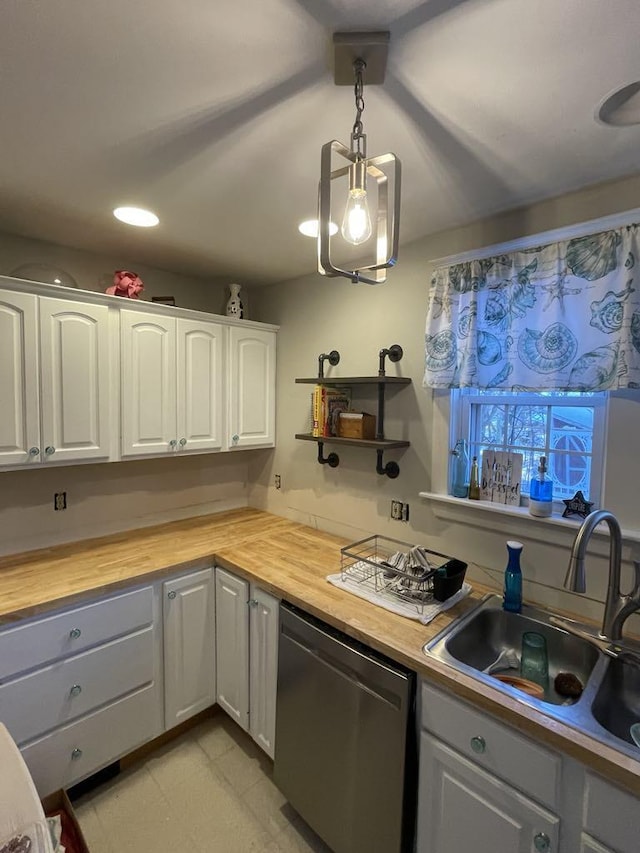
pixel 345 754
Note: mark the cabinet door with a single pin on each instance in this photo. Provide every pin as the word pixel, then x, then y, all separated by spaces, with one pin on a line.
pixel 19 410
pixel 148 373
pixel 189 646
pixel 263 668
pixel 75 399
pixel 611 815
pixel 232 646
pixel 590 845
pixel 463 808
pixel 252 385
pixel 199 393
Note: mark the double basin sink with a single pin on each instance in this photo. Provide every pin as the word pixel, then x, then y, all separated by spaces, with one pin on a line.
pixel 610 701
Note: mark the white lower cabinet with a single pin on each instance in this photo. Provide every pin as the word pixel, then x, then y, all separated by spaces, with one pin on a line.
pixel 263 667
pixel 469 809
pixel 232 646
pixel 611 818
pixel 82 687
pixel 188 612
pixel 487 788
pixel 247 655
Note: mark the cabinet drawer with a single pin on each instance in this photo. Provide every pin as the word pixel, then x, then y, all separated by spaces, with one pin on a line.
pixel 73 752
pixel 494 746
pixel 57 694
pixel 611 815
pixel 33 643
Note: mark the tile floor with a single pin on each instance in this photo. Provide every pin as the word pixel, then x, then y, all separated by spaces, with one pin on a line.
pixel 208 791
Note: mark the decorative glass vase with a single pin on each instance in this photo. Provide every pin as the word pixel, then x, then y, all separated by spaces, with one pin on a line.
pixel 460 470
pixel 235 307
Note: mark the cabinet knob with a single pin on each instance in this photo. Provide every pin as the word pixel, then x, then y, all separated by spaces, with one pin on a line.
pixel 478 744
pixel 49 450
pixel 183 441
pixel 74 633
pixel 235 439
pixel 542 842
pixel 34 451
pixel 76 690
pixel 76 754
pixel 171 594
pixel 253 602
pixel 173 442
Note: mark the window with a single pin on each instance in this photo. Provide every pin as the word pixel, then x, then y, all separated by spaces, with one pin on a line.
pixel 566 427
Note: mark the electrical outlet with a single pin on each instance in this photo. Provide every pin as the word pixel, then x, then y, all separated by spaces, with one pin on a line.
pixel 60 500
pixel 399 511
pixel 278 481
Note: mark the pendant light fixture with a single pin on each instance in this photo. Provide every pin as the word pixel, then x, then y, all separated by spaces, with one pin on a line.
pixel 362 187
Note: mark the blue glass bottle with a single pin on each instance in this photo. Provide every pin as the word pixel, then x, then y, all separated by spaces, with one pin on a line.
pixel 512 599
pixel 460 469
pixel 541 492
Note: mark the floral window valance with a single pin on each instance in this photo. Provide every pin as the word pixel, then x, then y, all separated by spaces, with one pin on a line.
pixel 563 316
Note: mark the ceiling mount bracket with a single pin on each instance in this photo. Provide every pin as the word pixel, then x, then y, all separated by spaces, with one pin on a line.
pixel 372 48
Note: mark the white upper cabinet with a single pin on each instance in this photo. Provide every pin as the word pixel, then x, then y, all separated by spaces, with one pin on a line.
pixel 252 372
pixel 148 369
pixel 172 384
pixel 54 385
pixel 200 385
pixel 74 366
pixel 20 410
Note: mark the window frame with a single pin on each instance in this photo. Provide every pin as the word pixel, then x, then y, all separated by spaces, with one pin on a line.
pixel 462 399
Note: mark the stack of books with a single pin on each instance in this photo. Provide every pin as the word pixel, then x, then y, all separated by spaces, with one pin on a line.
pixel 327 403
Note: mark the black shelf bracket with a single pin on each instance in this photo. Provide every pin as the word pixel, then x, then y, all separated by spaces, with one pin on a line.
pixel 332 460
pixel 391 469
pixel 332 357
pixel 395 353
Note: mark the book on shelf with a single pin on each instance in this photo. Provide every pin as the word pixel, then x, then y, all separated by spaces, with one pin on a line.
pixel 327 405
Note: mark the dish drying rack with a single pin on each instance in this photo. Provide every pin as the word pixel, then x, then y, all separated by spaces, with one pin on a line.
pixel 393 568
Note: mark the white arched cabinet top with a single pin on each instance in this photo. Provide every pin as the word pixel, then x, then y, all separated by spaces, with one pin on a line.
pixel 251 394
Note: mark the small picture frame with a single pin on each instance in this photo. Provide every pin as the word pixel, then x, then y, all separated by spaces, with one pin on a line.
pixel 164 300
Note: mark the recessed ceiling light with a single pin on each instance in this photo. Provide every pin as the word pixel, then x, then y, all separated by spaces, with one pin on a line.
pixel 310 228
pixel 622 107
pixel 136 216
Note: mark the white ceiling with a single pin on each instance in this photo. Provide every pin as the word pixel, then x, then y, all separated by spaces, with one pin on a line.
pixel 213 114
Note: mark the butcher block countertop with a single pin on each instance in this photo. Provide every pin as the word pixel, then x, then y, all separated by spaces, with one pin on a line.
pixel 291 561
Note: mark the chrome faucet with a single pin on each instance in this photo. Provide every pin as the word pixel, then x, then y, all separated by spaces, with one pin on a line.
pixel 617 606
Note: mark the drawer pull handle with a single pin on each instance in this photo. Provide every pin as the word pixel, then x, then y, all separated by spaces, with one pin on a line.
pixel 74 633
pixel 50 450
pixel 34 451
pixel 76 690
pixel 478 744
pixel 76 754
pixel 542 842
pixel 171 594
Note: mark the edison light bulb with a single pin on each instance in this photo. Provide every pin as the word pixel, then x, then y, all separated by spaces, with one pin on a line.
pixel 356 225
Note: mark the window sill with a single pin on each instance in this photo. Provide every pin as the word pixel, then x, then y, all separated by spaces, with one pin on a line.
pixel 519 513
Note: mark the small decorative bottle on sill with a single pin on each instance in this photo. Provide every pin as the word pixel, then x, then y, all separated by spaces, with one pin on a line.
pixel 541 492
pixel 459 470
pixel 474 482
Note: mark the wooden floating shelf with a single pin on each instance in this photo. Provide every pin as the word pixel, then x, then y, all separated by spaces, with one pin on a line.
pixel 377 444
pixel 356 380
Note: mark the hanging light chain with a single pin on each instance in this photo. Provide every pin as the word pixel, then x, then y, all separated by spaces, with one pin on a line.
pixel 357 134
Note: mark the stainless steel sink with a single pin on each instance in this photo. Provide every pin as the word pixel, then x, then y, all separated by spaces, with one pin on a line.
pixel 478 642
pixel 616 705
pixel 610 702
